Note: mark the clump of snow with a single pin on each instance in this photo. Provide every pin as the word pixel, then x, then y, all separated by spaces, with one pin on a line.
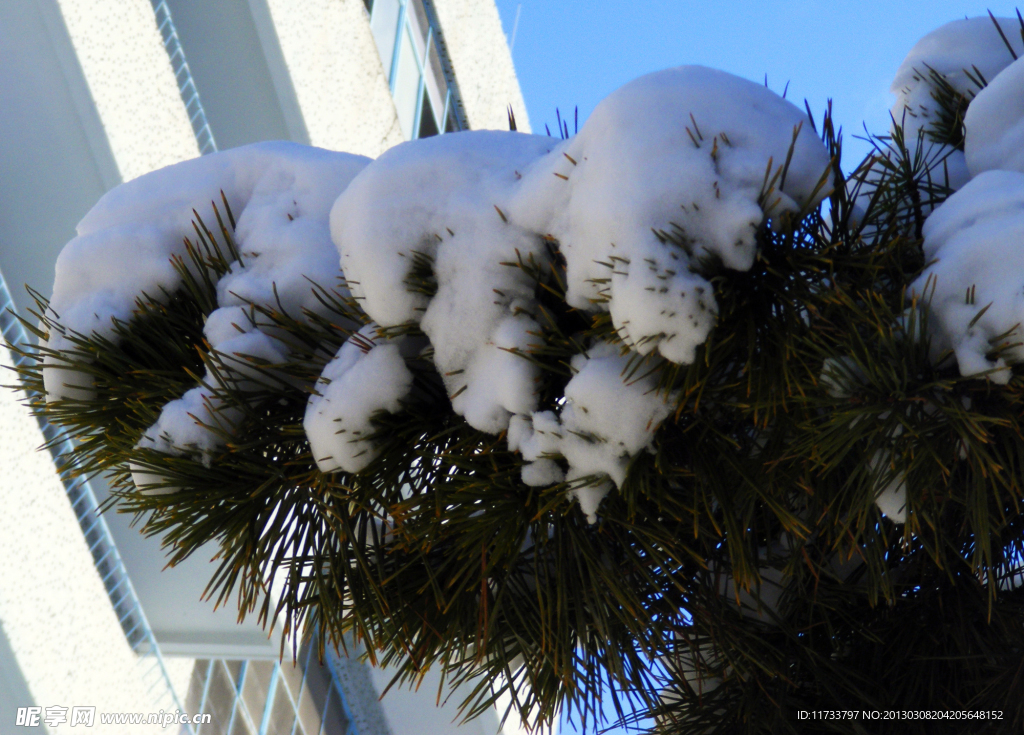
pixel 841 376
pixel 367 375
pixel 959 51
pixel 994 124
pixel 974 289
pixel 199 422
pixel 281 194
pixel 892 501
pixel 182 424
pixel 684 151
pixel 679 155
pixel 967 54
pixel 442 203
pixel 891 496
pixel 607 419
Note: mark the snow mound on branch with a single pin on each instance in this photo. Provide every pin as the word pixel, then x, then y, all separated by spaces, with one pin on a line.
pixel 666 179
pixel 891 497
pixel 182 425
pixel 608 417
pixel 975 288
pixel 958 51
pixel 125 243
pixel 679 155
pixel 670 179
pixel 367 375
pixel 436 209
pixel 281 194
pixel 995 124
pixel 961 52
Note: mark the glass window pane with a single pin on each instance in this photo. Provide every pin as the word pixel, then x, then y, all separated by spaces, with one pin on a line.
pixel 428 125
pixel 417 25
pixel 384 24
pixel 196 685
pixel 235 669
pixel 282 716
pixel 241 724
pixel 434 83
pixel 220 700
pixel 335 722
pixel 407 86
pixel 292 677
pixel 258 675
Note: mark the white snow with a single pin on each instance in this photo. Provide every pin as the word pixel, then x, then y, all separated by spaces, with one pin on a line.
pixel 279 192
pixel 973 286
pixel 607 419
pixel 181 427
pixel 976 282
pixel 891 497
pixel 841 376
pixel 995 123
pixel 445 198
pixel 681 155
pixel 958 51
pixel 967 54
pixel 367 375
pixel 684 151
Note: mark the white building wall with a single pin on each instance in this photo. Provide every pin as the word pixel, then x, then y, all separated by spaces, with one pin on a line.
pixel 332 60
pixel 55 614
pixel 482 62
pixel 132 85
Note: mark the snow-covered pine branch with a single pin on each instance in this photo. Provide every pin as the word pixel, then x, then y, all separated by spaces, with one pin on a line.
pixel 691 151
pixel 496 400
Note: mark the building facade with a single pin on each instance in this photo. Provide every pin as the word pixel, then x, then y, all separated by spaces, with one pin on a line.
pixel 93 629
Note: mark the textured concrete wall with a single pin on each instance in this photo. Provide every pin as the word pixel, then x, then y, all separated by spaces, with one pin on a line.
pixel 339 82
pixel 54 610
pixel 482 62
pixel 131 82
pixel 337 75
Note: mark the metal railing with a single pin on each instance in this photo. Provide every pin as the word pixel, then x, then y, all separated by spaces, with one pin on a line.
pixel 183 76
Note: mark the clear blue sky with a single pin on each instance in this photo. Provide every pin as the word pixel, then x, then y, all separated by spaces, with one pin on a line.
pixel 569 52
pixel 574 52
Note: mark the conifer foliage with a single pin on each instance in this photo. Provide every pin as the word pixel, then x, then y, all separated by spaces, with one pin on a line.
pixel 829 518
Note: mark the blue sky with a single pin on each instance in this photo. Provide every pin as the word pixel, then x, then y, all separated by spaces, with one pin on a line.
pixel 570 53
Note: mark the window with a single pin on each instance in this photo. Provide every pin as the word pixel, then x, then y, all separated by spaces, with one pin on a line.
pixel 268 698
pixel 416 67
